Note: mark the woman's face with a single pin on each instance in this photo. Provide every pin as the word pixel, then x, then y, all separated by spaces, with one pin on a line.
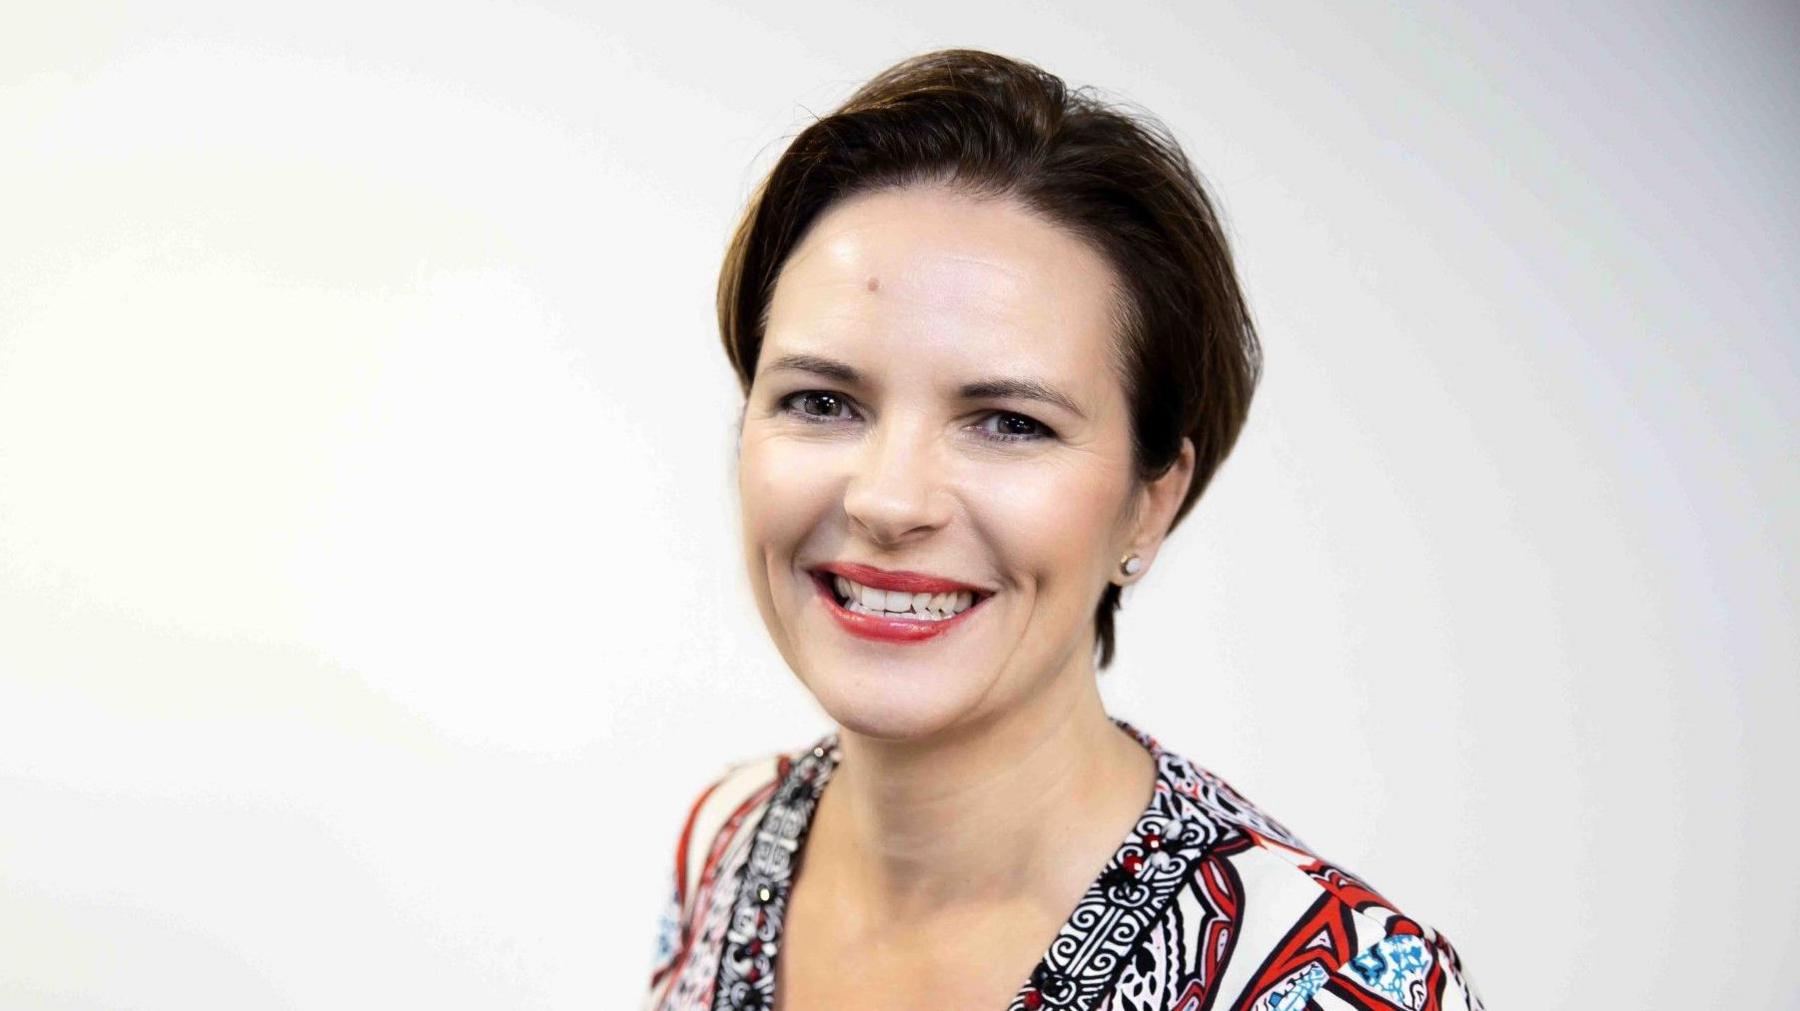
pixel 935 401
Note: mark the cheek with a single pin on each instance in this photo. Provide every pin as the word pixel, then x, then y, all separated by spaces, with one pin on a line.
pixel 1053 522
pixel 784 489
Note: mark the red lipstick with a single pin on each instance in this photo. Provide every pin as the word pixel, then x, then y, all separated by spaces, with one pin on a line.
pixel 894 630
pixel 905 582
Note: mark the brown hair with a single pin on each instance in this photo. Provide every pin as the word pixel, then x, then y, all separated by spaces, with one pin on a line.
pixel 993 126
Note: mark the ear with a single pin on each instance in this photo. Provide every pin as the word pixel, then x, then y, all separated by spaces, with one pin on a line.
pixel 1156 510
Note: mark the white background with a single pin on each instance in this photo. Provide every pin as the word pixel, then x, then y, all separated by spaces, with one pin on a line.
pixel 370 603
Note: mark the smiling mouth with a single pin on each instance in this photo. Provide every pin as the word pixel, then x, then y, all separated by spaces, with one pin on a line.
pixel 893 605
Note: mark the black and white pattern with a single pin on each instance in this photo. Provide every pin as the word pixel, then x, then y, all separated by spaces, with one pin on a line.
pixel 746 978
pixel 1155 860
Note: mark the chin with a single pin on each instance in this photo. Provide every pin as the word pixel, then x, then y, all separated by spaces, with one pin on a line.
pixel 885 707
pixel 886 691
pixel 887 725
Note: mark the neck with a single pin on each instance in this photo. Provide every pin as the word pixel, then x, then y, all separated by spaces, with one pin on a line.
pixel 1013 808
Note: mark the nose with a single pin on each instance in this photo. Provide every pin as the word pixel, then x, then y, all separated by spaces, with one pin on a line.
pixel 895 489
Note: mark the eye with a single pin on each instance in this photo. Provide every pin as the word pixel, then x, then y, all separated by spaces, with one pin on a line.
pixel 1015 428
pixel 813 405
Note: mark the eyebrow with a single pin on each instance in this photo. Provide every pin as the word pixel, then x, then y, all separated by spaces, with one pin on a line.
pixel 830 368
pixel 1005 388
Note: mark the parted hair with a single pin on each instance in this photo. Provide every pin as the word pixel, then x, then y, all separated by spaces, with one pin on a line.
pixel 1186 350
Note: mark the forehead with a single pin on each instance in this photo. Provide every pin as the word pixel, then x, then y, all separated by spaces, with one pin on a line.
pixel 952 280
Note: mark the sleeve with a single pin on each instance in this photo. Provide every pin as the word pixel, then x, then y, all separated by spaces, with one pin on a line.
pixel 669 930
pixel 1410 966
pixel 675 925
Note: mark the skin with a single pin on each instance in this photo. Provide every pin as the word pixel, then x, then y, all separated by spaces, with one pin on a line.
pixel 982 786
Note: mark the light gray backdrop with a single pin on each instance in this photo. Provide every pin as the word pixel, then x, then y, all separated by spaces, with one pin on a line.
pixel 370 603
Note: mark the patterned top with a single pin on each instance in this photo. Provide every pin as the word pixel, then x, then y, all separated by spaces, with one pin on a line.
pixel 1208 903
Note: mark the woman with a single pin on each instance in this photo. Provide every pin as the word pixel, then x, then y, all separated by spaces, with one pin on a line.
pixel 992 349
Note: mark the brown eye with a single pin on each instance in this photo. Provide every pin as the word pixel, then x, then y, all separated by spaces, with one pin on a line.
pixel 1015 428
pixel 819 404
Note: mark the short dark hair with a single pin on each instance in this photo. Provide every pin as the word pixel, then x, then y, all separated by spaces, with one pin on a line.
pixel 1187 351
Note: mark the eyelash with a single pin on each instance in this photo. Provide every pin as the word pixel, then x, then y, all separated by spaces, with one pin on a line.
pixel 1046 432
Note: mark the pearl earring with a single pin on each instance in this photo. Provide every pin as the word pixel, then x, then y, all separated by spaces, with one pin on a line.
pixel 1131 565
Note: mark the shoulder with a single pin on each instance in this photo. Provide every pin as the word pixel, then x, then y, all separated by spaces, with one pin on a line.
pixel 724 814
pixel 715 833
pixel 1307 932
pixel 724 809
pixel 1317 930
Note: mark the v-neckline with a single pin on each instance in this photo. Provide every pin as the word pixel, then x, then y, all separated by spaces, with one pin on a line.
pixel 1082 961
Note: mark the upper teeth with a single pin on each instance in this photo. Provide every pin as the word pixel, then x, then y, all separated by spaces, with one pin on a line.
pixel 934 606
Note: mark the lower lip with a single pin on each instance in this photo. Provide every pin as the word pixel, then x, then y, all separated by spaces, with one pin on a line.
pixel 901 630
